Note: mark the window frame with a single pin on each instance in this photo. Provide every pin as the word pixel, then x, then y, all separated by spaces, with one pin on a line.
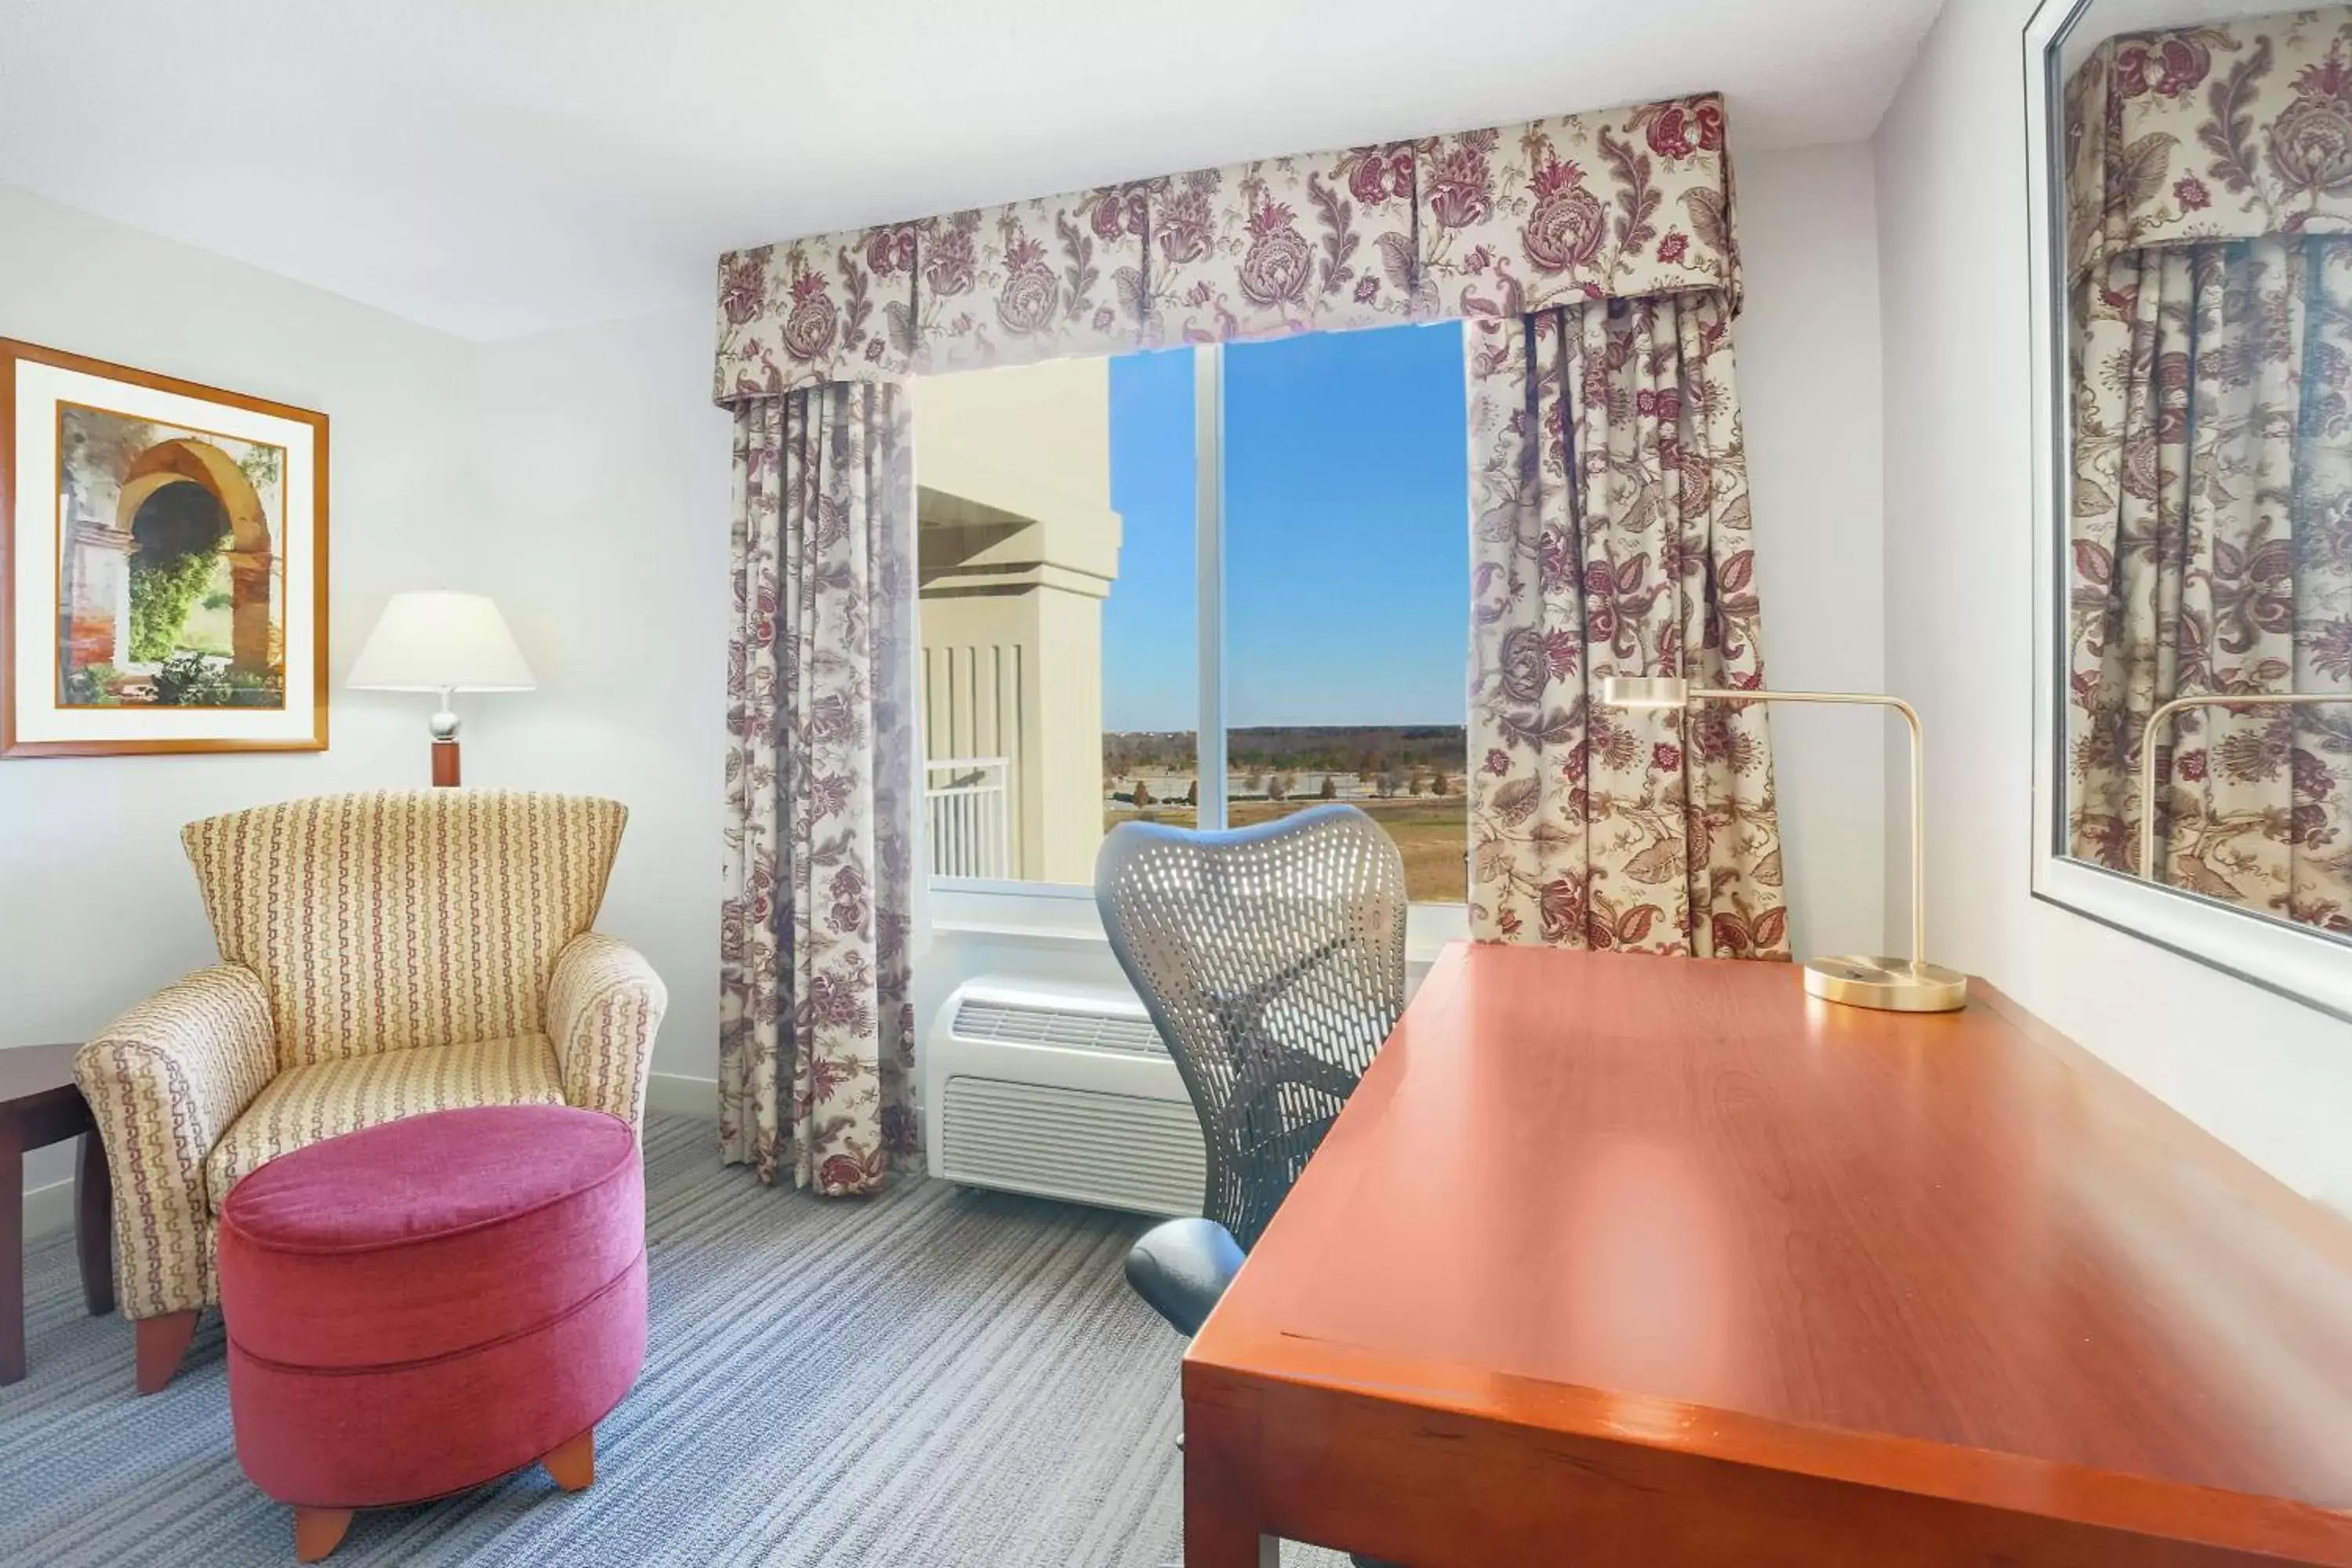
pixel 2298 963
pixel 1044 910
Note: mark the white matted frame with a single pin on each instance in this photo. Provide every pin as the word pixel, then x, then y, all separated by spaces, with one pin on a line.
pixel 2294 960
pixel 35 383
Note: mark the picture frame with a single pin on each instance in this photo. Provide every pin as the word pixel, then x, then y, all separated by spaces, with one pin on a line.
pixel 163 563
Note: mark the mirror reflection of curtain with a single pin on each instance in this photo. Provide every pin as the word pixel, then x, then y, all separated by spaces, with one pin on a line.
pixel 2212 456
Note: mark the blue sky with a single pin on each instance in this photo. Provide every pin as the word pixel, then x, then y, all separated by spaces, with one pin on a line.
pixel 1346 534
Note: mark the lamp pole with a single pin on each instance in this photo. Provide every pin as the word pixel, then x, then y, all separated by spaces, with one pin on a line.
pixel 1892 985
pixel 445 742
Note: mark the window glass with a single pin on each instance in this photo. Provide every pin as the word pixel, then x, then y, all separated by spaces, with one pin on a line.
pixel 1054 545
pixel 1060 608
pixel 1347 586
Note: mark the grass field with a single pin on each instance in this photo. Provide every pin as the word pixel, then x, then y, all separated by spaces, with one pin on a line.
pixel 1432 834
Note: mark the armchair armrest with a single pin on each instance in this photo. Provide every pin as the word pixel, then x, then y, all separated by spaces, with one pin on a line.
pixel 603 1006
pixel 163 1081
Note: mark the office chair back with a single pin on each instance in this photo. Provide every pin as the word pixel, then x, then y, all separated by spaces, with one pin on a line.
pixel 1272 959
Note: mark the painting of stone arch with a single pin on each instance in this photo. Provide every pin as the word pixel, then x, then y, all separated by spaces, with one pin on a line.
pixel 163 563
pixel 172 589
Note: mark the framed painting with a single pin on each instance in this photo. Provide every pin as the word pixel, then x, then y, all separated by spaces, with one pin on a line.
pixel 163 563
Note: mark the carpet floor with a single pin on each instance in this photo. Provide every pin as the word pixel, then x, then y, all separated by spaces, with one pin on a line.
pixel 934 1379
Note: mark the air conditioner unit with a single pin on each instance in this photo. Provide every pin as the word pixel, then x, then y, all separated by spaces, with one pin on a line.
pixel 1062 1091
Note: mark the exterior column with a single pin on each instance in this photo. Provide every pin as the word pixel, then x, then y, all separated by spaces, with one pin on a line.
pixel 1018 545
pixel 97 597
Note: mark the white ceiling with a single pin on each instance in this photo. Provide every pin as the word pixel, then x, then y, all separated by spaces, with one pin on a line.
pixel 495 167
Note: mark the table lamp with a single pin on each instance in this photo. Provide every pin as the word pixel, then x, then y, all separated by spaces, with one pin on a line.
pixel 1892 985
pixel 443 643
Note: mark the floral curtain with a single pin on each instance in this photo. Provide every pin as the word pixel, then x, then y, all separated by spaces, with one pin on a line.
pixel 2213 554
pixel 1610 536
pixel 817 1027
pixel 1628 203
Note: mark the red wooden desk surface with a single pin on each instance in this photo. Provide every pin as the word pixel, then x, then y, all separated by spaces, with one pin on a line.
pixel 1620 1260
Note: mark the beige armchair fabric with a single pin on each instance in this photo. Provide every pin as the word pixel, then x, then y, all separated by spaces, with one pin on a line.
pixel 383 956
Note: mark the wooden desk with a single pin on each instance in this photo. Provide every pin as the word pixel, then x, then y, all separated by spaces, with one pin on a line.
pixel 1617 1260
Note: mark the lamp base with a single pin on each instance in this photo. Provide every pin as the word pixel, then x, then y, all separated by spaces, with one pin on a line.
pixel 445 764
pixel 1890 984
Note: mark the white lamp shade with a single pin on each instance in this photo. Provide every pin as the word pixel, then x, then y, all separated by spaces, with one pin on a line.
pixel 441 642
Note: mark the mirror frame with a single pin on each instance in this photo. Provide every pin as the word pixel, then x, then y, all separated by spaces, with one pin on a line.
pixel 2304 965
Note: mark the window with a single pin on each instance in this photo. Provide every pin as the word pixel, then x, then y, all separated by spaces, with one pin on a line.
pixel 1075 675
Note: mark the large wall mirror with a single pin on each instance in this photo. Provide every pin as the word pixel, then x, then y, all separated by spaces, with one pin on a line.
pixel 2192 191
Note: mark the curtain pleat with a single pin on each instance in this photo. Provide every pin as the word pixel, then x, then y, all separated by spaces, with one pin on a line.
pixel 2211 553
pixel 816 1029
pixel 1610 536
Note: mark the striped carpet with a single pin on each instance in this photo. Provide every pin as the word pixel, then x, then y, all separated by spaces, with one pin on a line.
pixel 935 1379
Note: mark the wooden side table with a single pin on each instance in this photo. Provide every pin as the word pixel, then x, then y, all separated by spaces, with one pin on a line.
pixel 39 1105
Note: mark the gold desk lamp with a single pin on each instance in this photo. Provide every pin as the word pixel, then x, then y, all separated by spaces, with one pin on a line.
pixel 2163 716
pixel 1892 985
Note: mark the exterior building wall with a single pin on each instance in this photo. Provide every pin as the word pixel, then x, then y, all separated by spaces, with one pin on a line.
pixel 1017 548
pixel 1050 422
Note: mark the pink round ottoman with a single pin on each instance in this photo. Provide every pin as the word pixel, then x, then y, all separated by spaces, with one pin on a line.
pixel 422 1307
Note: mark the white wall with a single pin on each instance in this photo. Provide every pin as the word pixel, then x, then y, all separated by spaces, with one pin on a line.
pixel 1809 396
pixel 599 469
pixel 97 904
pixel 582 479
pixel 2267 1076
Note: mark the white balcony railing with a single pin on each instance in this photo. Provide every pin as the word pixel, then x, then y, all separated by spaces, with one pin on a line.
pixel 967 804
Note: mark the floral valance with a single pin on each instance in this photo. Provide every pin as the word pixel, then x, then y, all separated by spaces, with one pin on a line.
pixel 2226 131
pixel 1619 205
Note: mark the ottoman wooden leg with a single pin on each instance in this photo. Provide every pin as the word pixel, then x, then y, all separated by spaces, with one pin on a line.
pixel 160 1342
pixel 573 1464
pixel 319 1530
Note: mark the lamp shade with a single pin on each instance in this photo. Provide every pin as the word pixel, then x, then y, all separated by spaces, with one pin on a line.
pixel 441 642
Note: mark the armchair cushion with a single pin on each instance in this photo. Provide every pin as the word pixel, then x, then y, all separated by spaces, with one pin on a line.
pixel 164 1081
pixel 329 1099
pixel 401 918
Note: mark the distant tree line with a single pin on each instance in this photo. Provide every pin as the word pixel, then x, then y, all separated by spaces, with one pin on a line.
pixel 1367 751
pixel 1386 783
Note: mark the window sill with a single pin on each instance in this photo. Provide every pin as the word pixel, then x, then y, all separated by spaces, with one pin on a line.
pixel 1019 933
pixel 1062 919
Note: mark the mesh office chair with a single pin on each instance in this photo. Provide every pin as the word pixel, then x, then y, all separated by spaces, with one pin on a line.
pixel 1272 959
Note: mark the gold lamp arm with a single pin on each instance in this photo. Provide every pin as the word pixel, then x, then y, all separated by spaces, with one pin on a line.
pixel 2163 716
pixel 1895 984
pixel 1918 783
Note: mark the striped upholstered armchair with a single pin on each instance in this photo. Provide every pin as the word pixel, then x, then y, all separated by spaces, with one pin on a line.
pixel 381 955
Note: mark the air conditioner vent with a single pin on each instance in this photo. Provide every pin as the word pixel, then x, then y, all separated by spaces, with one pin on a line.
pixel 1119 1150
pixel 1014 1023
pixel 1060 1088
